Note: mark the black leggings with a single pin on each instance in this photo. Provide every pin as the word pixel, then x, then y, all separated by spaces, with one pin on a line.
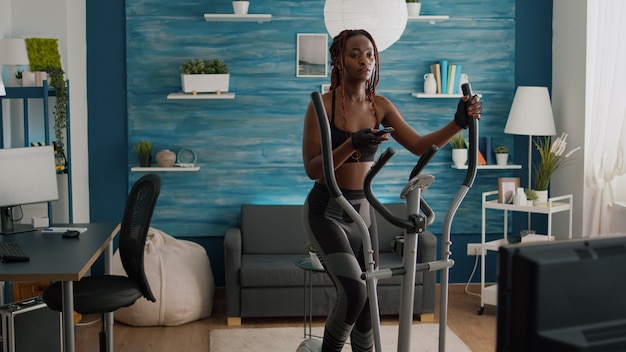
pixel 338 242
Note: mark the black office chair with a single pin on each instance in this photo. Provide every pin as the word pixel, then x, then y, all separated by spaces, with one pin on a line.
pixel 107 293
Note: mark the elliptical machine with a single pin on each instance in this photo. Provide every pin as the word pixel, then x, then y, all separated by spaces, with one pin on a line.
pixel 413 224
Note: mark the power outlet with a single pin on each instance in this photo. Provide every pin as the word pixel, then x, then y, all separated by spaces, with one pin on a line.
pixel 473 248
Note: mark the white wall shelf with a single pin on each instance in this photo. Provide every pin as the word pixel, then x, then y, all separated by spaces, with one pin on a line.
pixel 429 19
pixel 440 96
pixel 201 96
pixel 219 17
pixel 167 169
pixel 490 167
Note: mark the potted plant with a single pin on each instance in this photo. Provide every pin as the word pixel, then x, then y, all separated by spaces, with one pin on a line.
pixel 144 153
pixel 413 7
pixel 43 56
pixel 240 7
pixel 315 260
pixel 459 150
pixel 531 196
pixel 502 155
pixel 204 77
pixel 551 159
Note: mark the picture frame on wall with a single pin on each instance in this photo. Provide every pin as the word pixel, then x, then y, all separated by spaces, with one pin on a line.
pixel 506 189
pixel 312 55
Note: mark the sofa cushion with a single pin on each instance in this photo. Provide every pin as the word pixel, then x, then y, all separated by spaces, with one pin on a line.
pixel 272 229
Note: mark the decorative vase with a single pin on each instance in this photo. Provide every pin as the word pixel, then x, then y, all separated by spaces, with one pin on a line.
pixel 502 159
pixel 144 160
pixel 315 261
pixel 459 157
pixel 166 158
pixel 28 79
pixel 430 85
pixel 542 197
pixel 520 197
pixel 413 8
pixel 241 7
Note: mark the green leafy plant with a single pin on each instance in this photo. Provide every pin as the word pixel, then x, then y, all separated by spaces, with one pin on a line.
pixel 551 160
pixel 19 74
pixel 458 142
pixel 43 55
pixel 143 147
pixel 198 67
pixel 501 150
pixel 530 194
pixel 309 247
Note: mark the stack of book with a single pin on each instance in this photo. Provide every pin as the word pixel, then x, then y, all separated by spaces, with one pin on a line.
pixel 447 76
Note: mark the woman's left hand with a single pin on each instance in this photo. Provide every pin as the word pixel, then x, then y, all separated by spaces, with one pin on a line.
pixel 465 111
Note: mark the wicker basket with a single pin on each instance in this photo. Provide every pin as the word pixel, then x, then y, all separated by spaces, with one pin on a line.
pixel 23 290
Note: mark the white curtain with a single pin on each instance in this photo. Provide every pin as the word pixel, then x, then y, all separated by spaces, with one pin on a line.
pixel 606 96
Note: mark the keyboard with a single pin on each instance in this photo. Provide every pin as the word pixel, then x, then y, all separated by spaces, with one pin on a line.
pixel 12 252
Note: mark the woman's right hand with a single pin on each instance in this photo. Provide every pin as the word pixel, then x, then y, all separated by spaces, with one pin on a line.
pixel 364 139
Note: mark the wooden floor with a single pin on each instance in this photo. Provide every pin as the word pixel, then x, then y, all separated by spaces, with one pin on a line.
pixel 477 331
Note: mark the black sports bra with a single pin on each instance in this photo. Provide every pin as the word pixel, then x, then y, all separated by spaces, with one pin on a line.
pixel 338 136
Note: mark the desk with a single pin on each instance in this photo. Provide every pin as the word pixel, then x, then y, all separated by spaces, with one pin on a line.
pixel 54 258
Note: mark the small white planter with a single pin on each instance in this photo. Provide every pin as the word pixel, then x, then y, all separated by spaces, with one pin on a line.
pixel 459 157
pixel 502 159
pixel 241 7
pixel 542 197
pixel 413 8
pixel 205 83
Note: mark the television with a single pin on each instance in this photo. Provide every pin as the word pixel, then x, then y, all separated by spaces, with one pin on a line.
pixel 567 295
pixel 27 176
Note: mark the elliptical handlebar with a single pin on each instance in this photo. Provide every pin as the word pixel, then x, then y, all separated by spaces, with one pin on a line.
pixel 327 149
pixel 404 223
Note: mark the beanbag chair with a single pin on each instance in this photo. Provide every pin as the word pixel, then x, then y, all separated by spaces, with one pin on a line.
pixel 180 277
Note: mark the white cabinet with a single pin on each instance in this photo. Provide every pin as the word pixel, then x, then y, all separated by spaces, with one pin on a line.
pixel 488 294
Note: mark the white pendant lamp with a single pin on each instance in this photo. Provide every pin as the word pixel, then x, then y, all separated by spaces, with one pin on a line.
pixel 385 20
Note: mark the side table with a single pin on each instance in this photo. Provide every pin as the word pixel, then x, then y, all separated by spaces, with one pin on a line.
pixel 309 270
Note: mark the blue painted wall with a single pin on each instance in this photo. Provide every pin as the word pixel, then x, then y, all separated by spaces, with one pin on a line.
pixel 249 148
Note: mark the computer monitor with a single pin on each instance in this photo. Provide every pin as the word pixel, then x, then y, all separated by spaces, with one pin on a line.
pixel 27 176
pixel 565 295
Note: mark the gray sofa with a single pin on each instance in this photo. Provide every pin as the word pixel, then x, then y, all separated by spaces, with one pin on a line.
pixel 262 279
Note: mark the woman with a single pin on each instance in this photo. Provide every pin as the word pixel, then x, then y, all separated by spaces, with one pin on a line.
pixel 355 113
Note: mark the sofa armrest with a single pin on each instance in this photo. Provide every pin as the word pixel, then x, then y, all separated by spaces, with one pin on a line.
pixel 232 259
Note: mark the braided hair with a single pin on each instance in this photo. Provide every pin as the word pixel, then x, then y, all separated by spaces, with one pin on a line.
pixel 337 49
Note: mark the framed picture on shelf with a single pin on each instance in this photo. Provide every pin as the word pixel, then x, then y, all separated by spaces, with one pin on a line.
pixel 312 55
pixel 506 189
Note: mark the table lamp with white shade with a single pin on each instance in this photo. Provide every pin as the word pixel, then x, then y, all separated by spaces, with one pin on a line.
pixel 13 54
pixel 531 115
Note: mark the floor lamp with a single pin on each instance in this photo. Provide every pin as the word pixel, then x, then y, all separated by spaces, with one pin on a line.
pixel 531 115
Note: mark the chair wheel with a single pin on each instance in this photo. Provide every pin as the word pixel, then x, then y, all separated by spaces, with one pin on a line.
pixel 481 311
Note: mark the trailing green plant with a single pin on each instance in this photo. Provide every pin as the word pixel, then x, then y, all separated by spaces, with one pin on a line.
pixel 43 55
pixel 199 67
pixel 143 147
pixel 458 142
pixel 501 150
pixel 530 194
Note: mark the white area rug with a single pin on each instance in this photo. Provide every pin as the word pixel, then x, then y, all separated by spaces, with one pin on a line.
pixel 425 338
